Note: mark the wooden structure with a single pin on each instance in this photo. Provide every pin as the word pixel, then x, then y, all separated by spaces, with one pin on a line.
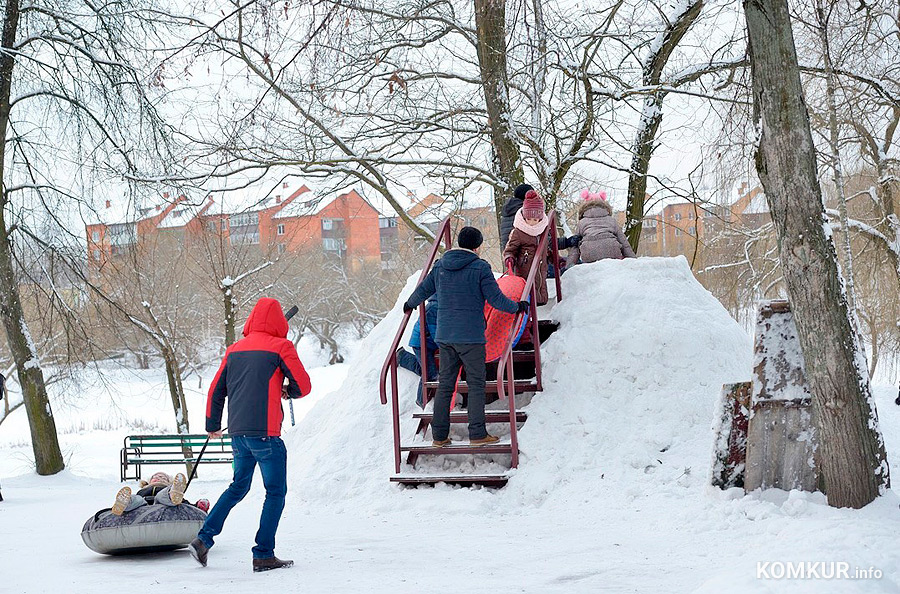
pixel 512 364
pixel 781 433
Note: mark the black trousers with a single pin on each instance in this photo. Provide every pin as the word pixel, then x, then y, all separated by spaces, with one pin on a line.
pixel 454 356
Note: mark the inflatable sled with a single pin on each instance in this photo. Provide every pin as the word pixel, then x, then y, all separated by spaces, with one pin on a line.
pixel 499 323
pixel 148 529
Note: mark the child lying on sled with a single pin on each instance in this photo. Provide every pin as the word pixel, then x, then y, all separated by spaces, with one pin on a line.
pixel 162 489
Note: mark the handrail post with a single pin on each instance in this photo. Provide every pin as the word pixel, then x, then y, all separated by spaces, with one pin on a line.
pixel 536 340
pixel 555 249
pixel 395 405
pixel 423 352
pixel 513 430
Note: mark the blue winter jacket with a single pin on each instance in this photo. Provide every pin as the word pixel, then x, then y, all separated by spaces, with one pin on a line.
pixel 431 313
pixel 463 282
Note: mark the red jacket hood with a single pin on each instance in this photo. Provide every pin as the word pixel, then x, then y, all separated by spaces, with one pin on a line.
pixel 267 317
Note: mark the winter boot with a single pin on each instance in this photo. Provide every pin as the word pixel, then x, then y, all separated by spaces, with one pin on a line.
pixel 486 440
pixel 439 443
pixel 271 563
pixel 199 551
pixel 123 498
pixel 178 487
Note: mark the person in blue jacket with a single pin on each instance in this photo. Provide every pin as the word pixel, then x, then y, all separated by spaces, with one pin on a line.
pixel 462 282
pixel 407 360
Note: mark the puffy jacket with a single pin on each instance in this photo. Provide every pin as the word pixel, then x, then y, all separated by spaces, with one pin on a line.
pixel 522 248
pixel 601 236
pixel 252 373
pixel 463 282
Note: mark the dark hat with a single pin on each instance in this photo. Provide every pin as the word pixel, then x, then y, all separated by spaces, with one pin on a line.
pixel 521 190
pixel 469 238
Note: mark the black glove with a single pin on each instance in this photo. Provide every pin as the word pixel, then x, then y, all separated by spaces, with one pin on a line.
pixel 523 306
pixel 573 241
pixel 407 308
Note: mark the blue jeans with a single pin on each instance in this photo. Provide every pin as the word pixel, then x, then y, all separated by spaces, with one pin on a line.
pixel 410 362
pixel 271 455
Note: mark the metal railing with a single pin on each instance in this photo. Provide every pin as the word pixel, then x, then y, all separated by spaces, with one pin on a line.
pixel 390 364
pixel 389 368
pixel 504 364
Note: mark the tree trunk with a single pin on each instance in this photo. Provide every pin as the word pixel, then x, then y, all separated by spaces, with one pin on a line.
pixel 851 455
pixel 47 456
pixel 228 300
pixel 651 117
pixel 835 147
pixel 179 403
pixel 490 27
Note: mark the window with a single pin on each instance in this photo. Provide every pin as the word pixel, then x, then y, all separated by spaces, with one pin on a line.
pixel 691 216
pixel 281 229
pixel 651 238
pixel 692 230
pixel 281 248
pixel 386 222
pixel 649 224
pixel 211 226
pixel 244 219
pixel 95 236
pixel 122 234
pixel 327 224
pixel 332 245
pixel 97 255
pixel 677 216
pixel 244 228
pixel 678 232
pixel 224 224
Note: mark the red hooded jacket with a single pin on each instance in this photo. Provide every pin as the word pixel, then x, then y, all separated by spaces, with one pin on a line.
pixel 252 373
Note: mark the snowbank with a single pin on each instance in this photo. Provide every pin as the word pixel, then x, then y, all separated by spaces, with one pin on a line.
pixel 631 379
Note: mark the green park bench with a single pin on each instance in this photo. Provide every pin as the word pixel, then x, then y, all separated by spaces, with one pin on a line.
pixel 157 450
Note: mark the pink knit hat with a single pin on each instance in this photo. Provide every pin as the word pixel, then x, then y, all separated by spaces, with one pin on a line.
pixel 533 206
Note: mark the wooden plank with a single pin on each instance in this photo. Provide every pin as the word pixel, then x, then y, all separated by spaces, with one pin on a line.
pixel 490 416
pixel 501 447
pixel 529 385
pixel 492 480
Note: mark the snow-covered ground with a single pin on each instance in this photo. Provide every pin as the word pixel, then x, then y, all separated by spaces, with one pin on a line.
pixel 611 493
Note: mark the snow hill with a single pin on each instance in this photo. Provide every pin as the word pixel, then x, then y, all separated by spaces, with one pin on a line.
pixel 631 379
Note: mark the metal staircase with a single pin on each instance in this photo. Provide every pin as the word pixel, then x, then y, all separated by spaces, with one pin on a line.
pixel 513 364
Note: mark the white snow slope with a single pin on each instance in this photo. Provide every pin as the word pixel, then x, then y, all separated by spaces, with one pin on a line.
pixel 611 493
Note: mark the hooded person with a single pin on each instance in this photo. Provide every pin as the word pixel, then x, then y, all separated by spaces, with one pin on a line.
pixel 251 378
pixel 508 214
pixel 463 283
pixel 601 236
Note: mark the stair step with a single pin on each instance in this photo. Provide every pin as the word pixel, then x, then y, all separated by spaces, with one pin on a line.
pixel 490 416
pixel 518 356
pixel 529 385
pixel 487 479
pixel 425 449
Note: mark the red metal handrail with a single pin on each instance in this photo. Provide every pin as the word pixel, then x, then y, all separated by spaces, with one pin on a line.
pixel 390 364
pixel 504 363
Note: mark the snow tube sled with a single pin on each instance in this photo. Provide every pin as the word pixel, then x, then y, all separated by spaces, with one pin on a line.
pixel 148 529
pixel 499 323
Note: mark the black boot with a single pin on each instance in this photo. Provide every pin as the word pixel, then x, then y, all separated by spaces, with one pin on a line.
pixel 199 551
pixel 271 563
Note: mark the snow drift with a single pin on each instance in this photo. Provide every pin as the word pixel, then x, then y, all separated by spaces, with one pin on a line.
pixel 631 380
